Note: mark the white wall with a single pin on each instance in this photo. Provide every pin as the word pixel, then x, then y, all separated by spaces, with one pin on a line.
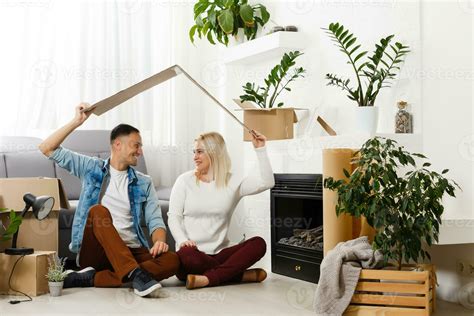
pixel 440 36
pixel 448 137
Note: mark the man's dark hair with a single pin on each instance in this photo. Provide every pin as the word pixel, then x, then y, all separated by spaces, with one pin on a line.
pixel 122 130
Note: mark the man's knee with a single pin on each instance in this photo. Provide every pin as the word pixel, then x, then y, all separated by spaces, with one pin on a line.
pixel 171 261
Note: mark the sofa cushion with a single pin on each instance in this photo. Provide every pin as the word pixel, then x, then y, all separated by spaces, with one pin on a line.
pixel 28 164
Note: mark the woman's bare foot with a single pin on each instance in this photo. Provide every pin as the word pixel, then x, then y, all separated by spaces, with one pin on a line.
pixel 254 275
pixel 194 281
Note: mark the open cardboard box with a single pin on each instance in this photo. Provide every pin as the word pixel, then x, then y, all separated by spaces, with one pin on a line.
pixel 274 123
pixel 40 235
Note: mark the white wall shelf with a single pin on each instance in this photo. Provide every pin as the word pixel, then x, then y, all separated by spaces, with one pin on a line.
pixel 264 48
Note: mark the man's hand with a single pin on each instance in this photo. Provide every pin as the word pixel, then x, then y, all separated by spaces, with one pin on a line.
pixel 258 139
pixel 80 116
pixel 188 243
pixel 158 248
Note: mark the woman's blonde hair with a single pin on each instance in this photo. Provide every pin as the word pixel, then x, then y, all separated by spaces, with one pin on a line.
pixel 215 148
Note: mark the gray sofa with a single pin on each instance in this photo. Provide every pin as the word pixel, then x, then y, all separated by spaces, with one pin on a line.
pixel 20 157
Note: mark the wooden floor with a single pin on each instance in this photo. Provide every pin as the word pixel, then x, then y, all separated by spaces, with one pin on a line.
pixel 278 295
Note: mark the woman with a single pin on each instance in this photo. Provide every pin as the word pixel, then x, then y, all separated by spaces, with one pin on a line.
pixel 201 205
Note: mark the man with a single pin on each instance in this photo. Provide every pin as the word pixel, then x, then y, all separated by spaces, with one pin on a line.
pixel 106 233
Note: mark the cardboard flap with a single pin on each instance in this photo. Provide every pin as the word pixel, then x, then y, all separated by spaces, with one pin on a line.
pixel 63 200
pixel 245 105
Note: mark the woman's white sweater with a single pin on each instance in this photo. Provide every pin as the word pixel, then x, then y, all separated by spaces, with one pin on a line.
pixel 201 212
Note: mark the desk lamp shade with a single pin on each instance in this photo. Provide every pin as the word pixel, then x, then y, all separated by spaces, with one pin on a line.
pixel 41 207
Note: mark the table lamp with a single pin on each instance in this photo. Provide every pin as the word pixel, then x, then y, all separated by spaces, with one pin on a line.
pixel 41 207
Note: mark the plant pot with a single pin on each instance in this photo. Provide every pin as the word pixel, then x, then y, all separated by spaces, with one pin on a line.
pixel 366 119
pixel 55 288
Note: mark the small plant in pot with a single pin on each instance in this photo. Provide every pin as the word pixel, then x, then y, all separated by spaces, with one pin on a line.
pixel 405 210
pixel 56 275
pixel 219 19
pixel 371 73
pixel 276 82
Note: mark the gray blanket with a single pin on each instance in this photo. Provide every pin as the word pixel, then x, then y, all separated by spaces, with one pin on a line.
pixel 340 272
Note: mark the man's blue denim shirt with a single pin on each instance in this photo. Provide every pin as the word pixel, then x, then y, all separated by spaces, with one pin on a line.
pixel 93 171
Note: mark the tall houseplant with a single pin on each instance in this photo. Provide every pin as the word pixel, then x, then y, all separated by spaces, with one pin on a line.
pixel 276 82
pixel 372 73
pixel 219 19
pixel 405 210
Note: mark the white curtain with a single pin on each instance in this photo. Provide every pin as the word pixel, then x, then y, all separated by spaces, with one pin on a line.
pixel 56 54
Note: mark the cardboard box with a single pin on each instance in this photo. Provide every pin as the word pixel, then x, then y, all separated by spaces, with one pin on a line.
pixel 40 235
pixel 275 123
pixel 29 275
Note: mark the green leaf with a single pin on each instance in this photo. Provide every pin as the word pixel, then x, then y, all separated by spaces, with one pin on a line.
pixel 210 39
pixel 445 171
pixel 264 13
pixel 228 3
pixel 246 13
pixel 226 21
pixel 211 17
pixel 359 57
pixel 346 173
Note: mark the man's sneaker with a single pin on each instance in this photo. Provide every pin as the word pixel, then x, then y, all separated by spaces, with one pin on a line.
pixel 143 283
pixel 82 278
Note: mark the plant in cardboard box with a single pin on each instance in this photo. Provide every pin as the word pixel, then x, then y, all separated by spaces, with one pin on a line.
pixel 276 82
pixel 405 210
pixel 373 74
pixel 218 19
pixel 56 274
pixel 14 222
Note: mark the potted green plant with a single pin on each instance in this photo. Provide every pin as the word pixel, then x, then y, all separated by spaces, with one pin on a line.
pixel 405 210
pixel 219 19
pixel 262 112
pixel 7 232
pixel 56 274
pixel 371 73
pixel 276 82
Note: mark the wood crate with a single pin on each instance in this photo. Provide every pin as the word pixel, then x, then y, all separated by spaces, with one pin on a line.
pixel 393 292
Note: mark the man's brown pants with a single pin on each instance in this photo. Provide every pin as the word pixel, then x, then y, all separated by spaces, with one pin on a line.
pixel 103 249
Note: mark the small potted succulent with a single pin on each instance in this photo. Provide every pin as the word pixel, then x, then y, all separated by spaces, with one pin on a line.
pixel 371 73
pixel 56 274
pixel 219 19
